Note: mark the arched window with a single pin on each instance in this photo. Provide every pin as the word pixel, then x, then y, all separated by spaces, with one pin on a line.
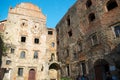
pixel 35 55
pixel 111 4
pixel 91 17
pixel 88 3
pixel 22 54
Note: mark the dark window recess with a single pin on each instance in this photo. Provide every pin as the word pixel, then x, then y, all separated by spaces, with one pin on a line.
pixel 36 40
pixel 83 67
pixel 35 55
pixel 88 3
pixel 75 55
pixel 70 33
pixel 23 24
pixel 117 30
pixel 8 62
pixel 20 71
pixel 50 32
pixel 68 70
pixel 68 20
pixel 12 50
pixel 94 40
pixel 111 4
pixel 23 39
pixel 6 71
pixel 57 42
pixel 91 17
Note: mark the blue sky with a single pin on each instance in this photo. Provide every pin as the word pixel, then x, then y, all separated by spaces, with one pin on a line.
pixel 53 9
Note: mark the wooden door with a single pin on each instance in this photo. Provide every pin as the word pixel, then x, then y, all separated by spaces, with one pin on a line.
pixel 31 74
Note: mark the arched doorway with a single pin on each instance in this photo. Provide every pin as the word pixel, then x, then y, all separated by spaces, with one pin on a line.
pixel 101 67
pixel 54 71
pixel 31 74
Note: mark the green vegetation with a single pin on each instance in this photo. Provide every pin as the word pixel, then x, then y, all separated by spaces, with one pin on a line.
pixel 3 47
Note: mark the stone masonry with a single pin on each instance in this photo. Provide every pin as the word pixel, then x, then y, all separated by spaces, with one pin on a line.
pixel 88 40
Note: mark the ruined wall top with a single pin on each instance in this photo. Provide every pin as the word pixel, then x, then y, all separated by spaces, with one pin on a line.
pixel 27 9
pixel 28 6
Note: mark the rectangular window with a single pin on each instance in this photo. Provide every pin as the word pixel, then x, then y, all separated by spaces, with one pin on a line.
pixel 20 71
pixel 35 55
pixel 23 39
pixel 94 39
pixel 68 70
pixel 36 40
pixel 83 66
pixel 117 30
pixel 12 50
pixel 50 32
pixel 8 62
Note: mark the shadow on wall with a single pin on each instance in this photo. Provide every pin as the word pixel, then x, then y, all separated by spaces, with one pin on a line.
pixel 115 56
pixel 2 50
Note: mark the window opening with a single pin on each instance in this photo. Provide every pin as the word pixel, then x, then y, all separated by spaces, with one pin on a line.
pixel 70 33
pixel 8 62
pixel 12 50
pixel 117 30
pixel 50 32
pixel 53 44
pixel 35 55
pixel 91 17
pixel 111 5
pixel 22 55
pixel 23 39
pixel 68 70
pixel 83 67
pixel 36 40
pixel 88 3
pixel 20 71
pixel 68 20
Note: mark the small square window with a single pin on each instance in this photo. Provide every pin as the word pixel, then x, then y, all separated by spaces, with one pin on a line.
pixel 50 32
pixel 8 62
pixel 23 39
pixel 36 40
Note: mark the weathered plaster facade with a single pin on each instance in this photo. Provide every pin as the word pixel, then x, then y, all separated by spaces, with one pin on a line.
pixel 88 40
pixel 31 45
